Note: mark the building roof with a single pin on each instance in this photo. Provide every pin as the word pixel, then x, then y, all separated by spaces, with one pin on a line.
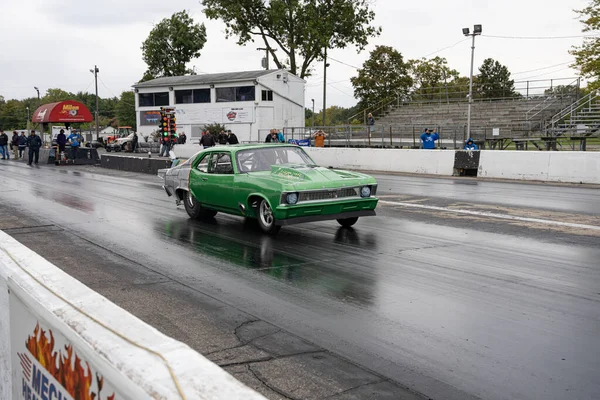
pixel 204 79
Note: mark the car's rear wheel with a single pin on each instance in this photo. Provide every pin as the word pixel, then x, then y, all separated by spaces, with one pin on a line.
pixel 347 222
pixel 108 149
pixel 194 209
pixel 266 219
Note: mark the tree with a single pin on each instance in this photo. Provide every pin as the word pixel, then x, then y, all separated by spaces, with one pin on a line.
pixel 125 110
pixel 494 80
pixel 55 95
pixel 302 29
pixel 432 78
pixel 587 56
pixel 171 44
pixel 383 78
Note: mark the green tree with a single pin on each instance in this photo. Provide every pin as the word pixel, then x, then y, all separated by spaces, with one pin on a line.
pixel 125 110
pixel 587 56
pixel 54 95
pixel 383 78
pixel 494 81
pixel 171 44
pixel 13 116
pixel 301 29
pixel 431 78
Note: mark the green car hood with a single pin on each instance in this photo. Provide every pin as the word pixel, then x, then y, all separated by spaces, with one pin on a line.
pixel 312 177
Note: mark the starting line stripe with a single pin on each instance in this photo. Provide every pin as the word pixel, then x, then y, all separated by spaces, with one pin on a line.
pixel 492 215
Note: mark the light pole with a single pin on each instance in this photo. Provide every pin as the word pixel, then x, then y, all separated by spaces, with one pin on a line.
pixel 95 72
pixel 476 32
pixel 325 65
pixel 28 120
pixel 38 92
pixel 313 112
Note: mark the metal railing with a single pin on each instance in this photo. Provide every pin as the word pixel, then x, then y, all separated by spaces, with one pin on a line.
pixel 568 113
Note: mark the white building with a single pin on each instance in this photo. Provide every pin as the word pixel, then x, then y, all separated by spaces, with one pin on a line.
pixel 249 103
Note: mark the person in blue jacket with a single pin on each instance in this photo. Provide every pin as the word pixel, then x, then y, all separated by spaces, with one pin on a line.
pixel 75 141
pixel 470 145
pixel 428 139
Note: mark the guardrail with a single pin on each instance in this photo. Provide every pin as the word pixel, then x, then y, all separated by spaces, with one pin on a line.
pixel 566 166
pixel 60 339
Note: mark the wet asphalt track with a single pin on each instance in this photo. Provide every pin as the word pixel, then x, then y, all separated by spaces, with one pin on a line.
pixel 453 306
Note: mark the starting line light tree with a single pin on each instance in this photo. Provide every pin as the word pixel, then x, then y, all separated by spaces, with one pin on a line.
pixel 167 122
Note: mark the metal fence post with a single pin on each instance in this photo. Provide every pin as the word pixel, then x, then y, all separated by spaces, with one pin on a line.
pixel 391 144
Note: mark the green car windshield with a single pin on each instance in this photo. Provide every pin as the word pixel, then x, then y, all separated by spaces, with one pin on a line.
pixel 261 159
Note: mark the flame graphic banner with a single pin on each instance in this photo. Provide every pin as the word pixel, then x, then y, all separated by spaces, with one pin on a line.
pixel 48 366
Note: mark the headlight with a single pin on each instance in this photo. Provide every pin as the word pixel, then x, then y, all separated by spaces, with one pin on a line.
pixel 291 198
pixel 365 191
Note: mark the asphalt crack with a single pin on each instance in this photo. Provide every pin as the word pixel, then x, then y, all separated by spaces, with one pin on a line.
pixel 258 376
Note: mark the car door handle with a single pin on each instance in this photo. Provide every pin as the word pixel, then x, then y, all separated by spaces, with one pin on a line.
pixel 205 179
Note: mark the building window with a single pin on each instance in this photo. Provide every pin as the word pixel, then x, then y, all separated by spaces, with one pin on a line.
pixel 239 93
pixel 153 99
pixel 192 96
pixel 267 95
pixel 201 95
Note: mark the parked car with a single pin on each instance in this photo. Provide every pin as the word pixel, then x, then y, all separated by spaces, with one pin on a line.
pixel 277 184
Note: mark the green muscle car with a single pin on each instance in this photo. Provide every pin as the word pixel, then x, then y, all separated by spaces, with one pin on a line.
pixel 277 184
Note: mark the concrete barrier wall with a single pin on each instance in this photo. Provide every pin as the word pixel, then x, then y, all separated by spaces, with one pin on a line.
pixel 45 312
pixel 552 166
pixel 438 162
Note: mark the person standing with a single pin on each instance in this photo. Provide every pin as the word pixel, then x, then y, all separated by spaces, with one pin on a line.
pixel 22 144
pixel 134 142
pixel 75 140
pixel 4 145
pixel 207 140
pixel 166 145
pixel 61 142
pixel 14 144
pixel 34 142
pixel 319 138
pixel 280 137
pixel 182 138
pixel 428 139
pixel 222 138
pixel 231 138
pixel 370 123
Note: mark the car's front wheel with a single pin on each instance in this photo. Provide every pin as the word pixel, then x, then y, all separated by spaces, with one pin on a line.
pixel 347 222
pixel 194 209
pixel 266 219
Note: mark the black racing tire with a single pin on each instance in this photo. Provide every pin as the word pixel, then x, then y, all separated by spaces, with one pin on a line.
pixel 347 222
pixel 194 209
pixel 108 149
pixel 266 219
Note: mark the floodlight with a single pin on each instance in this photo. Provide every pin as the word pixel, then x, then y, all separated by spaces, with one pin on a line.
pixel 477 29
pixel 466 31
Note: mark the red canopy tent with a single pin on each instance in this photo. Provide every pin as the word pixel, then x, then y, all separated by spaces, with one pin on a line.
pixel 66 112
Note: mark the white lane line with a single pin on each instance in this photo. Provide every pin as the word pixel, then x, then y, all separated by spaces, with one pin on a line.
pixel 491 215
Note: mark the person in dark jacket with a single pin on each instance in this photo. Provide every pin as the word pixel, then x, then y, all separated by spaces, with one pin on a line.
pixel 34 142
pixel 4 145
pixel 231 138
pixel 470 145
pixel 222 138
pixel 61 141
pixel 207 140
pixel 182 138
pixel 22 144
pixel 134 142
pixel 14 144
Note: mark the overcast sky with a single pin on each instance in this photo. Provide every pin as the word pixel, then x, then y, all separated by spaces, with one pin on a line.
pixel 54 43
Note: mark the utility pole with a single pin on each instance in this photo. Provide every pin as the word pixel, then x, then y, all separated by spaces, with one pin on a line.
pixel 476 31
pixel 28 119
pixel 95 72
pixel 266 50
pixel 325 65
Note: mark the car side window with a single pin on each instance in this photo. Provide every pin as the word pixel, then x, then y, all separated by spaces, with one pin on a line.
pixel 203 164
pixel 221 164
